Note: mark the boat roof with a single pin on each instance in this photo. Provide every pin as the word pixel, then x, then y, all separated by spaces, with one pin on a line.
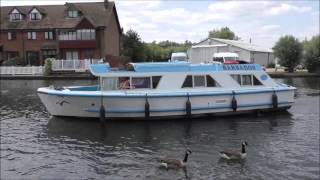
pixel 100 69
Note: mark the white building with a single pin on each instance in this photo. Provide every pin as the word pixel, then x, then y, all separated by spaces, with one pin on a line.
pixel 204 50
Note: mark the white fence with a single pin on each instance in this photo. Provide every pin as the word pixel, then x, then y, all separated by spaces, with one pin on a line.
pixel 74 65
pixel 16 70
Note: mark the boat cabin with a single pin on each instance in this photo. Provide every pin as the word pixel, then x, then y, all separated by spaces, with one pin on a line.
pixel 157 76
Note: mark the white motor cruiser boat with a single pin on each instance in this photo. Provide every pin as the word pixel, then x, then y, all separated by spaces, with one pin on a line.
pixel 170 89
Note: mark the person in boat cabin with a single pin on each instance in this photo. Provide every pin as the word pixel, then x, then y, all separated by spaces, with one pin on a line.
pixel 125 83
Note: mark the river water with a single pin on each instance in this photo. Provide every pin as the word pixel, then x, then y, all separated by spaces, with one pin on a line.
pixel 35 145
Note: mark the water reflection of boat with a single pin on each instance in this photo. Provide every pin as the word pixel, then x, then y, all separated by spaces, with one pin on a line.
pixel 112 133
pixel 157 90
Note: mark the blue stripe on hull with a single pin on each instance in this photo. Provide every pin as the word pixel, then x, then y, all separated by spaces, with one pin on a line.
pixel 182 109
pixel 166 95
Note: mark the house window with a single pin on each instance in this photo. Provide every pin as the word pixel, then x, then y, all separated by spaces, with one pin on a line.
pixel 15 16
pixel 35 16
pixel 48 53
pixel 86 34
pixel 32 35
pixel 73 14
pixel 72 55
pixel 12 35
pixel 67 35
pixel 48 35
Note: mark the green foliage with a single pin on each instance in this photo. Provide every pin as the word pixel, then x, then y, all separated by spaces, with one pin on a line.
pixel 162 51
pixel 48 66
pixel 132 46
pixel 136 50
pixel 312 54
pixel 223 33
pixel 289 51
pixel 16 61
pixel 271 65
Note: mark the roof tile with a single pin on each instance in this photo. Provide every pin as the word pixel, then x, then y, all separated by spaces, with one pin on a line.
pixel 54 16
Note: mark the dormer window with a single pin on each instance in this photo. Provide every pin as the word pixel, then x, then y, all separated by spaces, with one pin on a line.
pixel 35 15
pixel 15 15
pixel 73 14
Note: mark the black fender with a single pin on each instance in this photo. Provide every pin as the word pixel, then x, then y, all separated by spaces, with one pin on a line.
pixel 234 104
pixel 188 107
pixel 102 113
pixel 274 100
pixel 147 108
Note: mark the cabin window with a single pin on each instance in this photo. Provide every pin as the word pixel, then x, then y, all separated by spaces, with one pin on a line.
pixel 141 82
pixel 155 81
pixel 256 82
pixel 237 78
pixel 211 82
pixel 123 83
pixel 187 82
pixel 246 80
pixel 199 81
pixel 109 83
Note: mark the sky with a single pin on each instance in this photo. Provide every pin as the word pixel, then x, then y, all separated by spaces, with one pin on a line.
pixel 264 22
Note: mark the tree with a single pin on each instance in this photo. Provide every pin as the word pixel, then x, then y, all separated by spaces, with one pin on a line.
pixel 162 50
pixel 132 46
pixel 223 33
pixel 312 54
pixel 289 51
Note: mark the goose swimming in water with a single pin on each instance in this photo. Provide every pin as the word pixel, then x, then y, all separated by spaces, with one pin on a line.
pixel 235 155
pixel 175 163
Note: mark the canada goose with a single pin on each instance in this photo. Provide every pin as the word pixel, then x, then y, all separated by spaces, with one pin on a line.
pixel 175 163
pixel 235 155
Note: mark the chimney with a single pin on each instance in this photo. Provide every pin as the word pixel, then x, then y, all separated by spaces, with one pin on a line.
pixel 106 4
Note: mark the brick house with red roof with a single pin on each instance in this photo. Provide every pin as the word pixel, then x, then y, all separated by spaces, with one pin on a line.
pixel 69 31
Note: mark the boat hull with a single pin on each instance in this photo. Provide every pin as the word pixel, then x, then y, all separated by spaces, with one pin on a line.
pixel 133 105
